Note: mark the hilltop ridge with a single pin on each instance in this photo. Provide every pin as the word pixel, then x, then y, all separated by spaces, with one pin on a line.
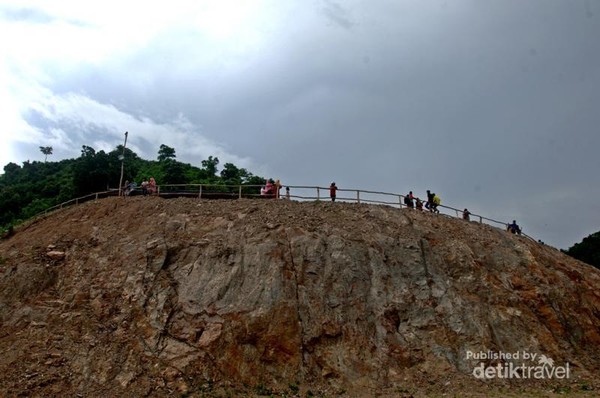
pixel 159 297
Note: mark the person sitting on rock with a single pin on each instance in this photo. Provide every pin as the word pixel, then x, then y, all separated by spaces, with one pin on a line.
pixel 152 186
pixel 419 204
pixel 268 191
pixel 269 188
pixel 514 228
pixel 125 188
pixel 131 188
pixel 145 186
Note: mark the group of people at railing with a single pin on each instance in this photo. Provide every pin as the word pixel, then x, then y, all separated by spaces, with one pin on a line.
pixel 433 201
pixel 272 188
pixel 148 187
pixel 431 204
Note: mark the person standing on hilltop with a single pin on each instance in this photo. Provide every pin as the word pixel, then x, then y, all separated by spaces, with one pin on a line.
pixel 408 200
pixel 332 191
pixel 429 203
pixel 466 215
pixel 436 202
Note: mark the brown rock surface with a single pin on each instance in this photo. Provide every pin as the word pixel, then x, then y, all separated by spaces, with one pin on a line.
pixel 155 297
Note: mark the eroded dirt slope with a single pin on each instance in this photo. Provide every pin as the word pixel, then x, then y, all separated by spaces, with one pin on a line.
pixel 155 297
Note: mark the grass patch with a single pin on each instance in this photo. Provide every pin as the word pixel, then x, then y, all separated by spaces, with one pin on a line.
pixel 294 388
pixel 261 389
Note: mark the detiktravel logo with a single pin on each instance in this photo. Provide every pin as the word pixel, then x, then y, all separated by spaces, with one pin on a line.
pixel 517 365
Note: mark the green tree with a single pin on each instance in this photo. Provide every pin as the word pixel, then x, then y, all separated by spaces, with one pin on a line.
pixel 588 250
pixel 87 151
pixel 165 152
pixel 11 173
pixel 173 172
pixel 232 175
pixel 92 172
pixel 46 150
pixel 210 166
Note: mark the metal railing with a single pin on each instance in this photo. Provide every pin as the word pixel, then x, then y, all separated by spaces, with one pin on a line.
pixel 392 199
pixel 297 192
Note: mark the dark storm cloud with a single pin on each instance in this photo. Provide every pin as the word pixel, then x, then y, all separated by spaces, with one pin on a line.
pixel 490 104
pixel 337 14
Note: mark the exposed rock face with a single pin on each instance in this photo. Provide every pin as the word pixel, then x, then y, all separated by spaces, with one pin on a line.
pixel 157 297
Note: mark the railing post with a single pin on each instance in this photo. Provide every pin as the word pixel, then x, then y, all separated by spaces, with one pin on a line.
pixel 96 195
pixel 158 190
pixel 357 196
pixel 400 200
pixel 480 220
pixel 318 193
pixel 240 193
pixel 200 192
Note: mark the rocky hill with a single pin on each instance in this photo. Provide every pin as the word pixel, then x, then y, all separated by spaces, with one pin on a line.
pixel 152 297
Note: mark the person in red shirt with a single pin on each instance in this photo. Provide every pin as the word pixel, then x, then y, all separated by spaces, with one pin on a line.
pixel 332 191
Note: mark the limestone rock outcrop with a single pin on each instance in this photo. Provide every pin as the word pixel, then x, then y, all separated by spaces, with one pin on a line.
pixel 157 297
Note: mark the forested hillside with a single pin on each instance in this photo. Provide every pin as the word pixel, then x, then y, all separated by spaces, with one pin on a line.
pixel 588 250
pixel 35 186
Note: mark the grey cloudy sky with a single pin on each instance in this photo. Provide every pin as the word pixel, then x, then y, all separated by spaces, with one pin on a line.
pixel 493 104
